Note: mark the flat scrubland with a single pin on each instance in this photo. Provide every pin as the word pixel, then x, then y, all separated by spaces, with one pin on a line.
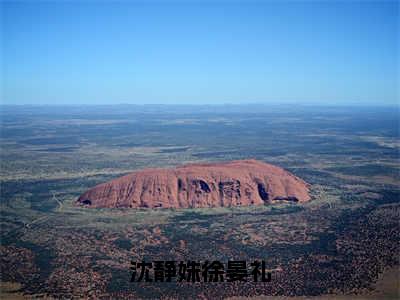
pixel 338 245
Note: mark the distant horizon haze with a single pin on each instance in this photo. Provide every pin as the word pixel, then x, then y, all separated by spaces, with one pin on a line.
pixel 321 104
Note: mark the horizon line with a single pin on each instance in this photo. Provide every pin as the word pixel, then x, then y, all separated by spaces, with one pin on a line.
pixel 361 104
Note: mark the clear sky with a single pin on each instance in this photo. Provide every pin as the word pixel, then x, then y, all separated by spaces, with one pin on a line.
pixel 106 52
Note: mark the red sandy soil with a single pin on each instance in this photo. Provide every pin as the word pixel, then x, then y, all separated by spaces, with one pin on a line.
pixel 235 183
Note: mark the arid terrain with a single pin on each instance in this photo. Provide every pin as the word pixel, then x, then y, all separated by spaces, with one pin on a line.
pixel 340 244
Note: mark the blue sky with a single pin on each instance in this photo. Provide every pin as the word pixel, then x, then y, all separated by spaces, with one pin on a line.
pixel 316 52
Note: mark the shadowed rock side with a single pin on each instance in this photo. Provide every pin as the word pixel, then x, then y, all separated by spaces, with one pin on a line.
pixel 236 183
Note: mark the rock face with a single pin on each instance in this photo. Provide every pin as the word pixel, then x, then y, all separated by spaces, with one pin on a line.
pixel 236 183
